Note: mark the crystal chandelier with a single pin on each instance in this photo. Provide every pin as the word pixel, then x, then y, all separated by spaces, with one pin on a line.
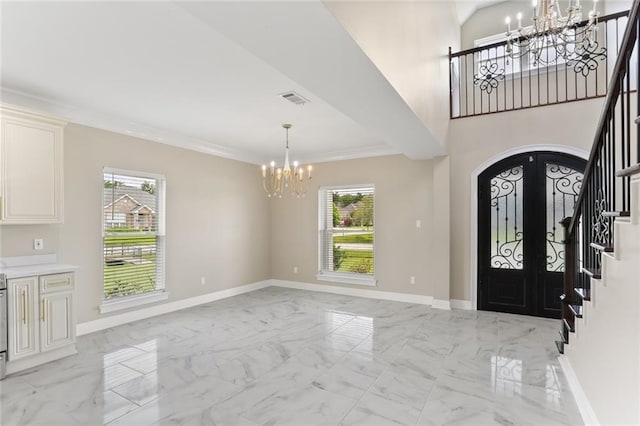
pixel 561 37
pixel 277 181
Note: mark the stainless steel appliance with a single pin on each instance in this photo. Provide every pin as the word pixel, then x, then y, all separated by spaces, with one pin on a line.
pixel 4 327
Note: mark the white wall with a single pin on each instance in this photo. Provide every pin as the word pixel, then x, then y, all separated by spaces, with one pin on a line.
pixel 604 352
pixel 408 41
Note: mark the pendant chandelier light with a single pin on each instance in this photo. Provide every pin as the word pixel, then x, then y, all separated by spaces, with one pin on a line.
pixel 561 37
pixel 277 181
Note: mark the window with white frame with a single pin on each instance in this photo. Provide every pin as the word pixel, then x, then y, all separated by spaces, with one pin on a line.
pixel 133 238
pixel 346 234
pixel 514 63
pixel 498 54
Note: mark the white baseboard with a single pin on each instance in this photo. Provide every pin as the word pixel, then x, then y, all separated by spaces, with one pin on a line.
pixel 115 320
pixel 357 292
pixel 586 411
pixel 461 304
pixel 441 304
pixel 164 308
pixel 41 358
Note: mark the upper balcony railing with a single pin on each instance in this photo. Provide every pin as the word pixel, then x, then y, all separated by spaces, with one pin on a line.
pixel 487 79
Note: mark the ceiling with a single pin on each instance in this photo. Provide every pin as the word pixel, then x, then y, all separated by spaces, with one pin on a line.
pixel 206 76
pixel 466 8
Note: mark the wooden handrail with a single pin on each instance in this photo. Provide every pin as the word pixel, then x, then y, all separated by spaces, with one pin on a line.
pixel 619 70
pixel 604 18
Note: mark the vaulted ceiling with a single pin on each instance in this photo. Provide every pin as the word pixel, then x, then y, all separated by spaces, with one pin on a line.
pixel 207 76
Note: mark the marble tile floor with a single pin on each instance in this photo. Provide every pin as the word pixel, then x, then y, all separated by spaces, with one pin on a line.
pixel 288 357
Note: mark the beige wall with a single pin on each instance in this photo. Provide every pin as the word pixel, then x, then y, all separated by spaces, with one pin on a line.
pixel 17 240
pixel 218 220
pixel 232 235
pixel 408 41
pixel 404 193
pixel 473 141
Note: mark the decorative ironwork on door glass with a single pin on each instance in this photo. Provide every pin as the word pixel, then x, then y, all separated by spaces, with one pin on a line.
pixel 562 188
pixel 507 219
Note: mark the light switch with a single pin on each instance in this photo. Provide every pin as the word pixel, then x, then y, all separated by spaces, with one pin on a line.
pixel 418 223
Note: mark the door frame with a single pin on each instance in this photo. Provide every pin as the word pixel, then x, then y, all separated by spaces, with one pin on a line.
pixel 473 247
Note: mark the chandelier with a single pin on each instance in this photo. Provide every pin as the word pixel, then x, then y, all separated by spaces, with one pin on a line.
pixel 277 181
pixel 563 38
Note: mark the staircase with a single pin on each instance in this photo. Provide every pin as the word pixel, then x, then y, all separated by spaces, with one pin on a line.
pixel 600 328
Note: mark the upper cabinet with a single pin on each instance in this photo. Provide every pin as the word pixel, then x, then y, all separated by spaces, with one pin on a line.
pixel 31 167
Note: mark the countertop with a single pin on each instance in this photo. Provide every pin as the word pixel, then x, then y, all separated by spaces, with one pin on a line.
pixel 29 266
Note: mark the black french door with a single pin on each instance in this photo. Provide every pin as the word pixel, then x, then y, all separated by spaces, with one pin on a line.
pixel 521 201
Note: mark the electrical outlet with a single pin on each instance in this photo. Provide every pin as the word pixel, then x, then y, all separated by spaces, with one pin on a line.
pixel 203 281
pixel 412 280
pixel 295 269
pixel 418 223
pixel 38 244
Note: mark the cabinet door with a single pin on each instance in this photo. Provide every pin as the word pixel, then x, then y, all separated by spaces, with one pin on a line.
pixel 23 317
pixel 56 317
pixel 30 171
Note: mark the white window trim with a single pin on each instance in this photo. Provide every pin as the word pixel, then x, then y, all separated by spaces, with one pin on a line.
pixel 161 292
pixel 347 277
pixel 133 301
pixel 521 73
pixel 344 277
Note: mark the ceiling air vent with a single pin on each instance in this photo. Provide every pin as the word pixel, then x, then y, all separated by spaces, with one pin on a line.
pixel 294 98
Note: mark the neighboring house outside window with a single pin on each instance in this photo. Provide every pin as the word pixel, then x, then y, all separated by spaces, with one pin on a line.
pixel 133 239
pixel 346 234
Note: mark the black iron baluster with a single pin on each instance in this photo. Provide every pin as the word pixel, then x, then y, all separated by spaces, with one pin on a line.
pixel 504 66
pixel 473 71
pixel 585 61
pixel 450 84
pixel 547 69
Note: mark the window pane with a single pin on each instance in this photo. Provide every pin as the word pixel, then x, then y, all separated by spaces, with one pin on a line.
pixel 507 219
pixel 349 234
pixel 129 264
pixel 563 188
pixel 132 248
pixel 130 203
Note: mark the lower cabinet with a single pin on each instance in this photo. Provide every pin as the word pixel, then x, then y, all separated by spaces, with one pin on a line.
pixel 57 325
pixel 41 315
pixel 24 331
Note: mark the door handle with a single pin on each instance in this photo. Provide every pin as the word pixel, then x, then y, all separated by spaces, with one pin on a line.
pixel 44 309
pixel 24 307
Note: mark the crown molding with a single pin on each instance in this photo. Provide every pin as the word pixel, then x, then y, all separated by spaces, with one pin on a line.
pixel 121 125
pixel 109 122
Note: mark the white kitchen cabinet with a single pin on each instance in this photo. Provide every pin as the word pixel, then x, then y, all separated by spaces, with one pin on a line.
pixel 41 319
pixel 31 167
pixel 57 311
pixel 23 317
pixel 57 324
